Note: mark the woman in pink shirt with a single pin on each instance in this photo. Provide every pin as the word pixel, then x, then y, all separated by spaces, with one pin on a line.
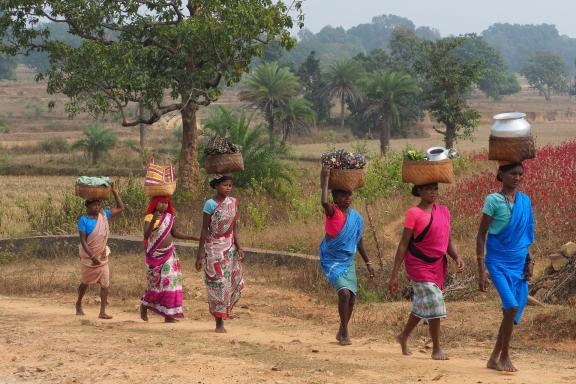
pixel 423 248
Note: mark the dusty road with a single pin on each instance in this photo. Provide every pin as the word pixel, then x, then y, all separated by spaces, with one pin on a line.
pixel 42 341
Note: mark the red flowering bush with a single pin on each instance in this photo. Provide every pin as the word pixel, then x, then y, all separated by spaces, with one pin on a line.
pixel 549 180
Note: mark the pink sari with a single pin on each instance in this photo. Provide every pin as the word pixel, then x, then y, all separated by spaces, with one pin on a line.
pixel 223 272
pixel 426 256
pixel 164 291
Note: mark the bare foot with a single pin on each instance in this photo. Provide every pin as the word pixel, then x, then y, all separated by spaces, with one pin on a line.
pixel 493 364
pixel 438 354
pixel 339 335
pixel 143 312
pixel 220 329
pixel 404 345
pixel 79 311
pixel 104 316
pixel 170 320
pixel 345 340
pixel 506 364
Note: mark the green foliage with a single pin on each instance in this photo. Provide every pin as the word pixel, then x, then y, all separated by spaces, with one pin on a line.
pixel 342 83
pixel 98 141
pixel 4 128
pixel 268 88
pixel 262 162
pixel 55 145
pixel 384 95
pixel 447 81
pixel 7 67
pixel 495 81
pixel 383 177
pixel 547 73
pixel 413 155
pixel 50 218
pixel 295 116
pixel 312 83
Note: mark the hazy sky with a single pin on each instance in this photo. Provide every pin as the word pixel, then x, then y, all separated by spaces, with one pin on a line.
pixel 448 16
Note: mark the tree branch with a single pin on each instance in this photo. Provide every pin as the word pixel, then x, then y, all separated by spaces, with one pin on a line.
pixel 439 131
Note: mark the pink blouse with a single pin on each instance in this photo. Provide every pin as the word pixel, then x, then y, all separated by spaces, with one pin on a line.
pixel 335 223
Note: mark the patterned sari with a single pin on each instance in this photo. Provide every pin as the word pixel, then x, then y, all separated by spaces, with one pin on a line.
pixel 223 271
pixel 164 291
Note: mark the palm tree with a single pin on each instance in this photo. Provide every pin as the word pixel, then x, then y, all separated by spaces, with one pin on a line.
pixel 261 159
pixel 385 94
pixel 341 82
pixel 296 116
pixel 269 87
pixel 97 142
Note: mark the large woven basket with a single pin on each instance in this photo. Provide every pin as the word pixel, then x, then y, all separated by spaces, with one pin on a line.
pixel 88 192
pixel 225 163
pixel 516 149
pixel 346 179
pixel 427 172
pixel 167 189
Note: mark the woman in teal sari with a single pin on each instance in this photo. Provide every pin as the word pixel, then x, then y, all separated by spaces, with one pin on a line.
pixel 506 232
pixel 344 228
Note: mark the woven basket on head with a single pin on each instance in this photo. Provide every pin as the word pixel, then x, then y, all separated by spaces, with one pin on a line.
pixel 88 192
pixel 427 172
pixel 515 149
pixel 166 189
pixel 346 179
pixel 225 163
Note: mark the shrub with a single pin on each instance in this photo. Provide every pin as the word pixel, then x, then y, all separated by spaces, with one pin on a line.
pixel 4 127
pixel 98 141
pixel 55 145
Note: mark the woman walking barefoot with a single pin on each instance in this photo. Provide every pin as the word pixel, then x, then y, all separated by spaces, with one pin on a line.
pixel 164 291
pixel 344 228
pixel 506 232
pixel 220 251
pixel 94 231
pixel 425 241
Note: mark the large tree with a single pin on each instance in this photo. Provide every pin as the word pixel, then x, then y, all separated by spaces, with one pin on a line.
pixel 547 73
pixel 385 94
pixel 171 56
pixel 342 83
pixel 296 116
pixel 447 80
pixel 313 82
pixel 7 67
pixel 268 88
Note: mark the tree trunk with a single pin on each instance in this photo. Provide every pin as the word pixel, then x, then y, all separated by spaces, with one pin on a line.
pixel 142 127
pixel 189 168
pixel 450 136
pixel 547 93
pixel 270 120
pixel 342 106
pixel 384 136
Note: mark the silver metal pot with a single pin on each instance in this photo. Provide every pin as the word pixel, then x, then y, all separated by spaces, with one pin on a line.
pixel 437 154
pixel 511 124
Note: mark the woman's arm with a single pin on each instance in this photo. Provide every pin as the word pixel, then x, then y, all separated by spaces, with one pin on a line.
pixel 237 242
pixel 480 249
pixel 149 225
pixel 119 203
pixel 84 244
pixel 324 176
pixel 203 235
pixel 182 236
pixel 453 253
pixel 364 255
pixel 399 259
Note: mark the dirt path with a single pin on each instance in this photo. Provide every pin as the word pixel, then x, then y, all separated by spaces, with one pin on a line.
pixel 42 341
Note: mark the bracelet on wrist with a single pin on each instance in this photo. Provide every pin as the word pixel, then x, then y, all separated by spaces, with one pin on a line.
pixel 368 263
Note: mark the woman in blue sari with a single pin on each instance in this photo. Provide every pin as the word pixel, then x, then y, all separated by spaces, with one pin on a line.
pixel 506 232
pixel 344 228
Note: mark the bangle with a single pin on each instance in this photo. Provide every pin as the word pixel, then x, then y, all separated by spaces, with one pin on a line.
pixel 368 263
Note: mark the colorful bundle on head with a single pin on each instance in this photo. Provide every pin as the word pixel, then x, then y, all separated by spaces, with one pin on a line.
pixel 158 174
pixel 342 159
pixel 219 145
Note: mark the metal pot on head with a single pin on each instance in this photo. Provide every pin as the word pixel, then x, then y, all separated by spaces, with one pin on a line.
pixel 511 124
pixel 437 154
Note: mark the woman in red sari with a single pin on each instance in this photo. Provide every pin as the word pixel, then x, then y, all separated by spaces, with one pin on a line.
pixel 423 247
pixel 220 251
pixel 164 292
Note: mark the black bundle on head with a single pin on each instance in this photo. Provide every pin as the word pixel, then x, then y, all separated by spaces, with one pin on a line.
pixel 219 180
pixel 507 168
